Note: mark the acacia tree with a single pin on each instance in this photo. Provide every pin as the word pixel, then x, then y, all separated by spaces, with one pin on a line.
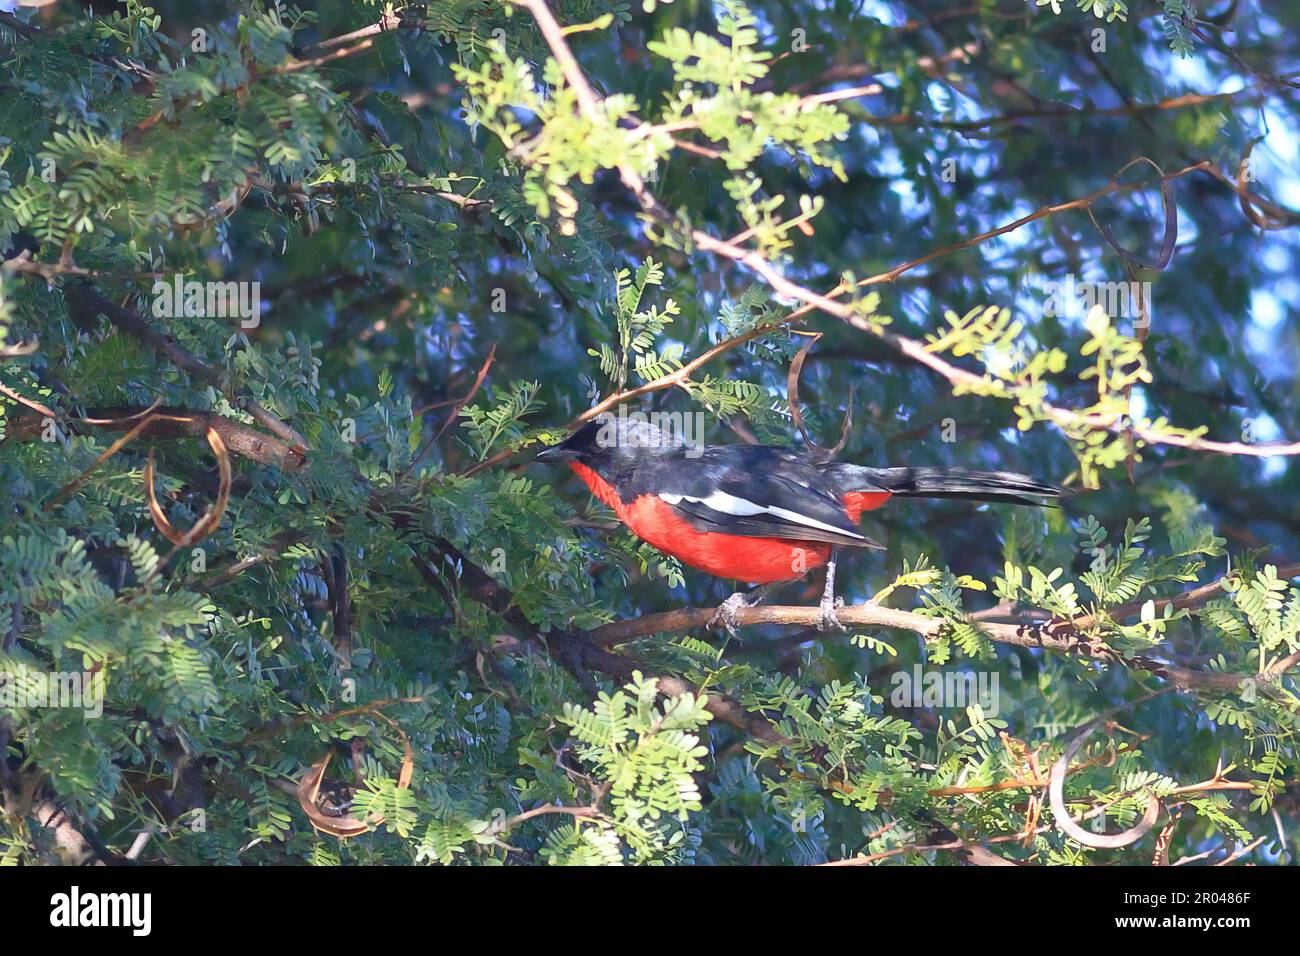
pixel 290 298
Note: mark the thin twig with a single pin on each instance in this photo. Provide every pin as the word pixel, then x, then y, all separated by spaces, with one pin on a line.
pixel 68 490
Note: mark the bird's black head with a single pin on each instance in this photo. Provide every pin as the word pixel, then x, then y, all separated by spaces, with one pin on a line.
pixel 613 443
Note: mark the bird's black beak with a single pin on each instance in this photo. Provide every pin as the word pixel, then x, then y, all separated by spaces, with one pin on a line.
pixel 554 455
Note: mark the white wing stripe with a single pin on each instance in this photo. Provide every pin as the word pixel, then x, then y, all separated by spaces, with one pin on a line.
pixel 724 503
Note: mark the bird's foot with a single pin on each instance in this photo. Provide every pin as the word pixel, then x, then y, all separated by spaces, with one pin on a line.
pixel 830 618
pixel 726 612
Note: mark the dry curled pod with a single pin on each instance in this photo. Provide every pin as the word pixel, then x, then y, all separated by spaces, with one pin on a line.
pixel 1056 796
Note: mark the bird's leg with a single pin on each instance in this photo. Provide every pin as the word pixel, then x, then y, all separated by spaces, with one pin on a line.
pixel 830 603
pixel 726 612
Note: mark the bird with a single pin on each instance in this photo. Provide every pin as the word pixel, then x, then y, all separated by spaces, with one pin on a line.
pixel 755 514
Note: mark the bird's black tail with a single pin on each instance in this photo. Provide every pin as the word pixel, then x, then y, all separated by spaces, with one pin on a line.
pixel 944 483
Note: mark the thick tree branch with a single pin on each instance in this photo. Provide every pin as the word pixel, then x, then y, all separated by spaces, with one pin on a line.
pixel 139 328
pixel 22 29
pixel 1059 636
pixel 170 422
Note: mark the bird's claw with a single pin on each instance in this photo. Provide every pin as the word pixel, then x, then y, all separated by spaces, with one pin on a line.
pixel 830 617
pixel 726 612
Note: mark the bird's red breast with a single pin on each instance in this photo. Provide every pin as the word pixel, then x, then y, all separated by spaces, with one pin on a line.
pixel 754 560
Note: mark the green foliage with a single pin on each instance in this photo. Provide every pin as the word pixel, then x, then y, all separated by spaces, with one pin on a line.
pixel 451 266
pixel 1178 19
pixel 500 424
pixel 637 330
pixel 644 756
pixel 1015 371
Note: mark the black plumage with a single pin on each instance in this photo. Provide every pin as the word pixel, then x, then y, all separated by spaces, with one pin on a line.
pixel 757 491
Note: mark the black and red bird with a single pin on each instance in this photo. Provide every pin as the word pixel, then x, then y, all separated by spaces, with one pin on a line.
pixel 752 513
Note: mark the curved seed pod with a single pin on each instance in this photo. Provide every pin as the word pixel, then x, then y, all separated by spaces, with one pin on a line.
pixel 1056 795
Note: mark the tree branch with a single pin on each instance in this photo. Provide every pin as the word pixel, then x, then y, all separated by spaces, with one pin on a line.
pixel 1054 635
pixel 138 327
pixel 1059 112
pixel 171 422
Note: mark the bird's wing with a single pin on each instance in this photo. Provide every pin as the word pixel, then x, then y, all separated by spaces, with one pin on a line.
pixel 755 492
